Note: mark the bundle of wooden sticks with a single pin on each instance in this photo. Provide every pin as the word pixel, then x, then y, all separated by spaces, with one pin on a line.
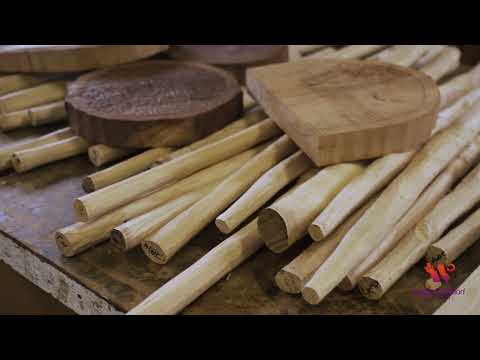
pixel 370 221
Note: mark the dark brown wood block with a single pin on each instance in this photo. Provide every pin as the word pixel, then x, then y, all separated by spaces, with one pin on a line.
pixel 153 104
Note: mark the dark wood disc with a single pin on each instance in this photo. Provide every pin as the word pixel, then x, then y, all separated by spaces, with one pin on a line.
pixel 153 104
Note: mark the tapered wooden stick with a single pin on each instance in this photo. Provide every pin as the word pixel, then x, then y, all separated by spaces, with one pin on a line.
pixel 432 52
pixel 130 234
pixel 100 155
pixel 467 299
pixel 36 116
pixel 263 191
pixel 392 205
pixel 123 170
pixel 28 98
pixel 183 290
pixel 379 174
pixel 7 151
pixel 427 201
pixel 161 246
pixel 16 82
pixel 107 199
pixel 357 51
pixel 26 160
pixel 403 55
pixel 251 118
pixel 456 242
pixel 293 277
pixel 82 236
pixel 459 86
pixel 286 222
pixel 414 246
pixel 446 63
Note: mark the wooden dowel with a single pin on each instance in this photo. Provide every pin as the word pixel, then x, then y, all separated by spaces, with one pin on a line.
pixel 432 52
pixel 263 191
pixel 459 86
pixel 298 51
pixel 379 174
pixel 357 51
pixel 286 222
pixel 32 158
pixel 107 199
pixel 123 170
pixel 456 242
pixel 467 299
pixel 427 201
pixel 82 236
pixel 7 151
pixel 183 290
pixel 444 64
pixel 100 155
pixel 251 118
pixel 28 98
pixel 131 234
pixel 162 245
pixel 322 54
pixel 36 116
pixel 403 55
pixel 16 82
pixel 293 277
pixel 414 246
pixel 393 204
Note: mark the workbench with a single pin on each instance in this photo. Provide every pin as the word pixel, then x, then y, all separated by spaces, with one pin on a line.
pixel 105 281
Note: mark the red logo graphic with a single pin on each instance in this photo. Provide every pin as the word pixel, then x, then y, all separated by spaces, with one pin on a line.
pixel 441 272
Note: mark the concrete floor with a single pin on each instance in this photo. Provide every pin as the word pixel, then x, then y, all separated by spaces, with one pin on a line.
pixel 24 298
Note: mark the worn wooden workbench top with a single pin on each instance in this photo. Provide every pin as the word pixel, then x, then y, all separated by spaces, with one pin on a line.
pixel 105 281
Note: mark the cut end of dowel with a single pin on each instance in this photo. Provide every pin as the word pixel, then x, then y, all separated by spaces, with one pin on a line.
pixel 370 288
pixel 88 185
pixel 223 226
pixel 311 296
pixel 80 210
pixel 154 252
pixel 316 232
pixel 17 164
pixel 63 244
pixel 119 240
pixel 436 255
pixel 273 230
pixel 289 283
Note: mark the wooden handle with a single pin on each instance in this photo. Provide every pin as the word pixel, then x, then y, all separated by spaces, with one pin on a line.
pixel 100 155
pixel 107 199
pixel 161 246
pixel 16 82
pixel 123 170
pixel 263 191
pixel 28 98
pixel 7 152
pixel 36 116
pixel 131 234
pixel 446 63
pixel 286 222
pixel 82 236
pixel 32 158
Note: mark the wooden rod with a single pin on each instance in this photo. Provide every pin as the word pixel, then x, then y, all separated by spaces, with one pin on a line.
pixel 432 52
pixel 101 202
pixel 456 242
pixel 466 301
pixel 17 82
pixel 293 277
pixel 444 64
pixel 7 151
pixel 82 236
pixel 162 245
pixel 36 116
pixel 393 204
pixel 28 98
pixel 26 160
pixel 100 155
pixel 357 51
pixel 251 118
pixel 248 102
pixel 459 86
pixel 427 201
pixel 264 190
pixel 322 54
pixel 286 222
pixel 402 55
pixel 131 234
pixel 299 51
pixel 414 246
pixel 123 170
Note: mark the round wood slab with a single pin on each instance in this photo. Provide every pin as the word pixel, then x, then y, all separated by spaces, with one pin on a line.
pixel 234 58
pixel 341 110
pixel 153 104
pixel 71 58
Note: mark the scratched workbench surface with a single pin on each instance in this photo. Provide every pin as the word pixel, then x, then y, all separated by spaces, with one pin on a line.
pixel 34 205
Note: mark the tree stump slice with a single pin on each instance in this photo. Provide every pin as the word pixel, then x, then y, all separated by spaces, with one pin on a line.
pixel 345 110
pixel 71 58
pixel 233 58
pixel 153 104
